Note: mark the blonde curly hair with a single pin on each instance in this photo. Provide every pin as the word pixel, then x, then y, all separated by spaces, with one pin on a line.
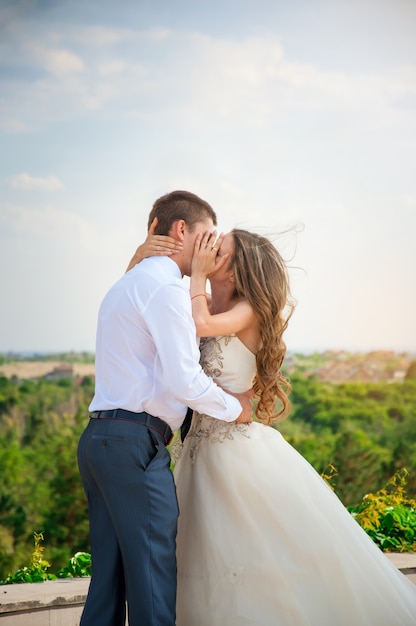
pixel 261 279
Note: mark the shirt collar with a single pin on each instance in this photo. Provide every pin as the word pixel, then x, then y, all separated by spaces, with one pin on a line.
pixel 167 263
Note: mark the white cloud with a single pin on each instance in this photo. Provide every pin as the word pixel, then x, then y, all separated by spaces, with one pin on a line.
pixel 101 36
pixel 158 34
pixel 272 131
pixel 50 222
pixel 55 227
pixel 213 80
pixel 59 61
pixel 253 79
pixel 409 203
pixel 13 126
pixel 28 182
pixel 68 258
pixel 112 67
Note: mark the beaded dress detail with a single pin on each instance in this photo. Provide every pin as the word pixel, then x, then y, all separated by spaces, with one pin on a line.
pixel 212 361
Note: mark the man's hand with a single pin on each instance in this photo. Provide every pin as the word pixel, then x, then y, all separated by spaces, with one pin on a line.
pixel 246 416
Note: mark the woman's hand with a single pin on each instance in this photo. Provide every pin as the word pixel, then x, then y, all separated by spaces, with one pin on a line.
pixel 155 245
pixel 206 260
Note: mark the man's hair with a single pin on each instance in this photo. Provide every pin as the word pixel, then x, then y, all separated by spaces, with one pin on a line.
pixel 180 205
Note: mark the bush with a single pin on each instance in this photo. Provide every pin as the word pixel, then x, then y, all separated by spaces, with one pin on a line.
pixel 388 516
pixel 36 571
pixel 78 566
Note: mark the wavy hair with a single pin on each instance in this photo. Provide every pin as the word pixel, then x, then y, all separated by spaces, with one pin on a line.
pixel 261 278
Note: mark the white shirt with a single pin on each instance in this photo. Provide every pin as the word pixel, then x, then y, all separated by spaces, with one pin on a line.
pixel 147 357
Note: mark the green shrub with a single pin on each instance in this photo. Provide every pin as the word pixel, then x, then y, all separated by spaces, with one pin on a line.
pixel 389 516
pixel 78 566
pixel 36 571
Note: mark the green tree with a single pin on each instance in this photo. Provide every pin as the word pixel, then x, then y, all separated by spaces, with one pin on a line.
pixel 411 372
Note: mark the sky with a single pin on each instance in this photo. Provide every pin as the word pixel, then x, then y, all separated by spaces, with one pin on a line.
pixel 293 119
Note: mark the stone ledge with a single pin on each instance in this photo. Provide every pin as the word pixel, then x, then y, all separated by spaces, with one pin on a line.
pixel 35 596
pixel 27 604
pixel 405 562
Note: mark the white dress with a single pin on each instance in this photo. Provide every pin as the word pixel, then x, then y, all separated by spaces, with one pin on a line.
pixel 262 539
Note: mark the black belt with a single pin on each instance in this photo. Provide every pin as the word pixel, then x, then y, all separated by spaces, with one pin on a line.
pixel 140 418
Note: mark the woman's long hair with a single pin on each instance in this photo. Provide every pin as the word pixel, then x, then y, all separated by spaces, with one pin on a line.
pixel 261 278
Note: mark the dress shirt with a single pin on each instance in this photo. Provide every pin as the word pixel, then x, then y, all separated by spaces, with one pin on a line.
pixel 147 357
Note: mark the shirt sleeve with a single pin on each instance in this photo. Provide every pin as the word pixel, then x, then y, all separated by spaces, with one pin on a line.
pixel 168 315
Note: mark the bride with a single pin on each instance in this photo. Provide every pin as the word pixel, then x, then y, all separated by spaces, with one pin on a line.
pixel 262 539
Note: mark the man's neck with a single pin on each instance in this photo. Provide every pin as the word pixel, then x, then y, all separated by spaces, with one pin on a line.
pixel 179 262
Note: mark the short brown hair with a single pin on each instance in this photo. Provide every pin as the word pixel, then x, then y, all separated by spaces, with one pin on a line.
pixel 180 205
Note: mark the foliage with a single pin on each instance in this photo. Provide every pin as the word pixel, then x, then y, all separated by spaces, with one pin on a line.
pixel 78 566
pixel 366 430
pixel 411 372
pixel 329 474
pixel 36 571
pixel 389 516
pixel 41 485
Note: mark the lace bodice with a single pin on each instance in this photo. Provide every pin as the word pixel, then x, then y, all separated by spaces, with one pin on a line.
pixel 229 362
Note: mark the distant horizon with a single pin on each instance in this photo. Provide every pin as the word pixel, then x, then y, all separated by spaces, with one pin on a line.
pixel 411 353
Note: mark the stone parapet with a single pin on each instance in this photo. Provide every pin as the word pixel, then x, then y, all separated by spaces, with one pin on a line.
pixel 60 602
pixel 52 603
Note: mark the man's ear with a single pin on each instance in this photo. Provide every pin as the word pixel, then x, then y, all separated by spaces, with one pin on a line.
pixel 178 229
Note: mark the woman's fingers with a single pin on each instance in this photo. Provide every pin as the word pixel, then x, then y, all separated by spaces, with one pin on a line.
pixel 198 242
pixel 210 242
pixel 152 227
pixel 162 244
pixel 216 244
pixel 208 239
pixel 221 261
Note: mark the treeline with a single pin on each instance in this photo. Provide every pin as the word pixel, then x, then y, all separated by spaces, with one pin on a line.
pixel 40 487
pixel 63 357
pixel 366 431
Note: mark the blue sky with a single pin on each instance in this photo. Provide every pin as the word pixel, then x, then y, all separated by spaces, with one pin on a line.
pixel 294 119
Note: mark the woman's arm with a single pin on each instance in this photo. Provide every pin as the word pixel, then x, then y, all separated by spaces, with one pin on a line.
pixel 205 263
pixel 234 321
pixel 154 245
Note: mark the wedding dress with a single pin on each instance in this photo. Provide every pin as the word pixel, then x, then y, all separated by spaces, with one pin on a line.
pixel 262 539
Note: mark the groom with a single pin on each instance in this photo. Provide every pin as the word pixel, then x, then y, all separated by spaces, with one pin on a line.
pixel 147 373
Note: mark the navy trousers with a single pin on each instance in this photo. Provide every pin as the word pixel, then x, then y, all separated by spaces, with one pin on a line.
pixel 133 514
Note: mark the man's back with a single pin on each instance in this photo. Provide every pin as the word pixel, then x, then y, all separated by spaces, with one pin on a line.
pixel 140 320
